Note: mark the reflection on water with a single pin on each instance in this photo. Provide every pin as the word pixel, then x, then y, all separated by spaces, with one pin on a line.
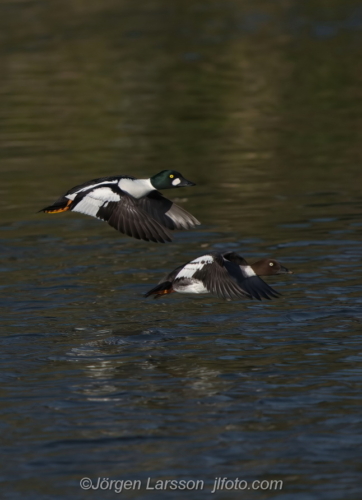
pixel 257 102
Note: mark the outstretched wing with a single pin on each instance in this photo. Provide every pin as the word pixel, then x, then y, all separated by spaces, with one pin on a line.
pixel 127 217
pixel 246 279
pixel 148 218
pixel 166 212
pixel 211 271
pixel 109 203
pixel 258 289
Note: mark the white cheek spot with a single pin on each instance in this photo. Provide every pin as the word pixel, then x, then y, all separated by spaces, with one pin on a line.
pixel 176 182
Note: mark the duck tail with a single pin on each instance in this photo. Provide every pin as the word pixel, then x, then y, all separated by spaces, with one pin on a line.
pixel 161 289
pixel 61 205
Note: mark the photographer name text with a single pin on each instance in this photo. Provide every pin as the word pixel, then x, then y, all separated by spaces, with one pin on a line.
pixel 152 484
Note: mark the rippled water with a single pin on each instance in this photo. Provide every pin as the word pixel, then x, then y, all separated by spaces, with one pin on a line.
pixel 260 104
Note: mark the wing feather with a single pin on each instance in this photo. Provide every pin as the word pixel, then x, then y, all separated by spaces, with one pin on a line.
pixel 128 218
pixel 149 218
pixel 217 280
pixel 246 279
pixel 167 212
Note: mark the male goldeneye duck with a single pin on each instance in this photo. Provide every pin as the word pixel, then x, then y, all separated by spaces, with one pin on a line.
pixel 132 206
pixel 226 275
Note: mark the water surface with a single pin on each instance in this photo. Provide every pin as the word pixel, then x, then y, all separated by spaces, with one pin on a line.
pixel 257 102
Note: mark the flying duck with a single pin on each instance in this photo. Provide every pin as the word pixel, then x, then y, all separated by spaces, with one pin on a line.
pixel 226 275
pixel 132 206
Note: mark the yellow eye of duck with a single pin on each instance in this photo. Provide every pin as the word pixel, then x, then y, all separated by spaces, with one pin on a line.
pixel 271 263
pixel 172 176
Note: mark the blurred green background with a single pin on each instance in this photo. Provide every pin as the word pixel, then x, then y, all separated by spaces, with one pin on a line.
pixel 251 92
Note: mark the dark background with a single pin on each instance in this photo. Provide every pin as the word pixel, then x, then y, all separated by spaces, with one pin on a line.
pixel 259 103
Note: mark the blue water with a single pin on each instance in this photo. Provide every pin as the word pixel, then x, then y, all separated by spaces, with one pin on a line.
pixel 259 103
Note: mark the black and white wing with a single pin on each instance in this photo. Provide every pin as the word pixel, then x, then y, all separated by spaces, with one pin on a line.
pixel 127 217
pixel 166 212
pixel 246 279
pixel 148 218
pixel 107 202
pixel 210 270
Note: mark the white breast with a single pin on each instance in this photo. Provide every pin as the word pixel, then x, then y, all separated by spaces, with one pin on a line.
pixel 136 187
pixel 192 287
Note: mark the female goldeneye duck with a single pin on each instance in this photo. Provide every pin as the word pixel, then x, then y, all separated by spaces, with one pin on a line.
pixel 269 267
pixel 226 275
pixel 132 206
